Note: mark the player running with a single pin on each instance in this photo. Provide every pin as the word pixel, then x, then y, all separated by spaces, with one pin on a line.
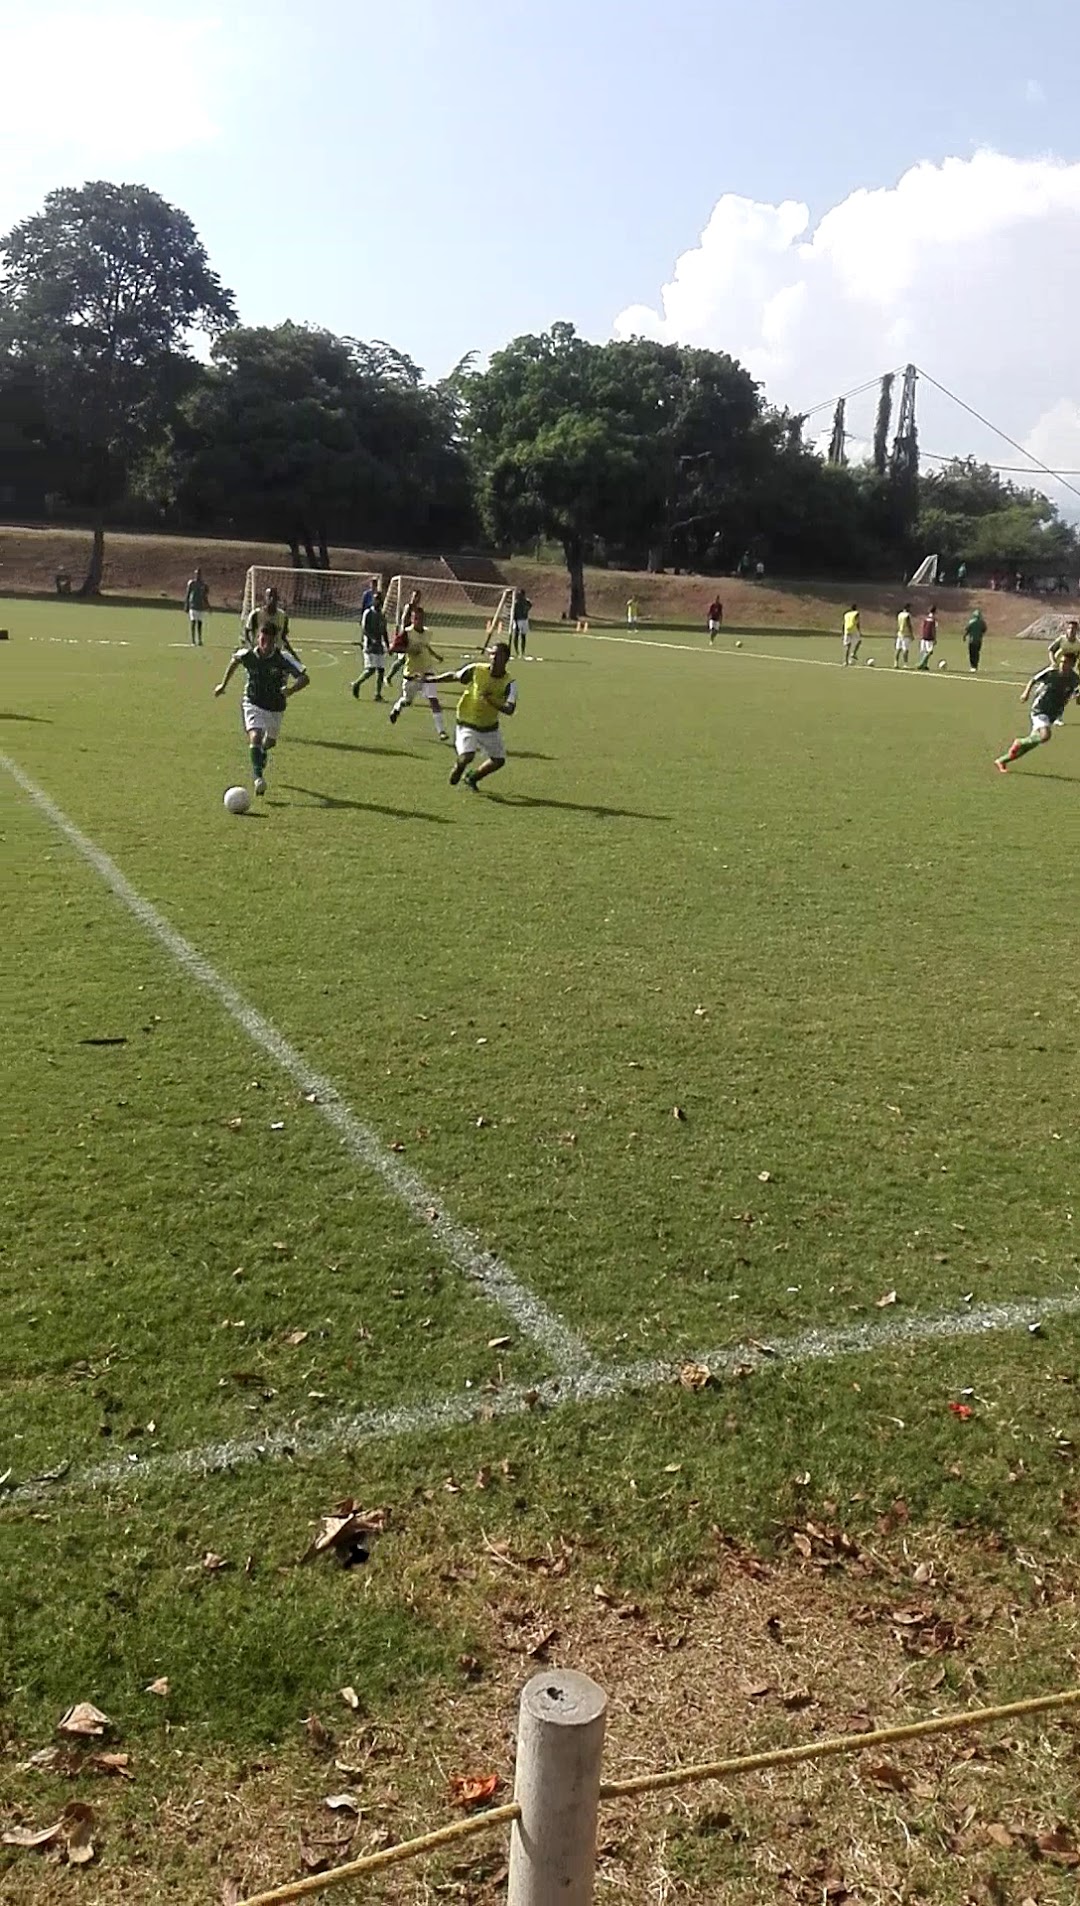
pixel 419 673
pixel 489 693
pixel 714 618
pixel 273 676
pixel 375 650
pixel 1067 644
pixel 927 638
pixel 399 644
pixel 903 637
pixel 852 634
pixel 196 602
pixel 1050 692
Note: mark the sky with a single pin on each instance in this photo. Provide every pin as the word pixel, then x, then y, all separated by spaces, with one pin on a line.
pixel 825 191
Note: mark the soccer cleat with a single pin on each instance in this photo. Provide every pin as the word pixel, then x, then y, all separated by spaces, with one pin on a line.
pixel 356 691
pixel 471 782
pixel 394 713
pixel 443 737
pixel 260 784
pixel 456 773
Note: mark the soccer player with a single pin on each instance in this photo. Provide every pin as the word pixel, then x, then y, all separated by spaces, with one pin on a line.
pixel 519 622
pixel 196 602
pixel 1067 644
pixel 633 610
pixel 903 637
pixel 419 656
pixel 399 644
pixel 1050 692
pixel 489 693
pixel 852 634
pixel 714 616
pixel 373 637
pixel 273 675
pixel 928 637
pixel 272 616
pixel 974 630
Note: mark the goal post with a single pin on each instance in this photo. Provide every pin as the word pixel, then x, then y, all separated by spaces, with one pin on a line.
pixel 316 595
pixel 476 608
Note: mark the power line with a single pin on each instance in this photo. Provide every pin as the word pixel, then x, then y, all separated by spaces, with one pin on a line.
pixel 830 403
pixel 1003 434
pixel 1009 469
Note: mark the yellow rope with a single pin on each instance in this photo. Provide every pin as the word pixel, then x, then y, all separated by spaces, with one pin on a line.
pixel 663 1782
pixel 839 1744
pixel 390 1856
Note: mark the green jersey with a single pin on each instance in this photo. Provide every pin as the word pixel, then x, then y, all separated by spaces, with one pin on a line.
pixel 267 676
pixel 975 627
pixel 1052 689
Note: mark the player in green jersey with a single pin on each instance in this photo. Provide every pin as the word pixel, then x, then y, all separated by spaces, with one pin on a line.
pixel 273 675
pixel 1049 692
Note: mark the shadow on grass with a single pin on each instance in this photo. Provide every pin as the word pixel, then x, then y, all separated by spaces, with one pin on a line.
pixel 577 807
pixel 16 717
pixel 1049 774
pixel 344 747
pixel 333 801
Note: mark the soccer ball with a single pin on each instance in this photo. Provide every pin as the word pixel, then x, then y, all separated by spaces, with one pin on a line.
pixel 738 645
pixel 869 661
pixel 237 800
pixel 943 663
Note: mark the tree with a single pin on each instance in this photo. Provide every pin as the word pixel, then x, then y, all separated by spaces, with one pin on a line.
pixel 882 423
pixel 632 444
pixel 307 437
pixel 99 293
pixel 969 513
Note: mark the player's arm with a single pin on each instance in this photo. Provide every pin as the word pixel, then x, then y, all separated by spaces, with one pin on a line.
pixel 463 675
pixel 301 679
pixel 234 664
pixel 510 703
pixel 1027 691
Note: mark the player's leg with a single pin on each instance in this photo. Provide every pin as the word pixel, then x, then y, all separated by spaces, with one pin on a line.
pixel 494 748
pixel 380 677
pixel 435 706
pixel 359 683
pixel 1041 732
pixel 257 750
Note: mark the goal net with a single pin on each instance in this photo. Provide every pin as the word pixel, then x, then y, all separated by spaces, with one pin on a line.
pixel 476 608
pixel 316 595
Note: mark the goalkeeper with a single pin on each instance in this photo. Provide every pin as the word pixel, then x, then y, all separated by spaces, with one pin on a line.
pixel 489 693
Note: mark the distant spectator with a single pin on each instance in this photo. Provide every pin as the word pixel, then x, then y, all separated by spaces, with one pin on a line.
pixel 759 570
pixel 63 582
pixel 961 575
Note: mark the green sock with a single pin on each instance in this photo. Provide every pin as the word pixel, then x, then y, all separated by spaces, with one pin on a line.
pixel 258 759
pixel 1022 745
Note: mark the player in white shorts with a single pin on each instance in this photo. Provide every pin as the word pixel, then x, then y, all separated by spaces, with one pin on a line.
pixel 903 637
pixel 489 693
pixel 272 676
pixel 420 675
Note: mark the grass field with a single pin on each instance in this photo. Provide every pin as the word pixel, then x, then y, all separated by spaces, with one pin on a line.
pixel 737 1023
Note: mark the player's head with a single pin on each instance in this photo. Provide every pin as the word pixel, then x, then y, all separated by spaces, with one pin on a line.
pixel 907 608
pixel 198 574
pixel 1072 628
pixel 266 637
pixel 377 599
pixel 500 655
pixel 854 608
pixel 1066 660
pixel 270 596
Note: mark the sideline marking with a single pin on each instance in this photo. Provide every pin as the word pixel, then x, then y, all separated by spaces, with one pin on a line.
pixel 597 1385
pixel 960 674
pixel 464 1250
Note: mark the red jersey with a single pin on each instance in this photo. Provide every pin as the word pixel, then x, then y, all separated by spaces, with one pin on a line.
pixel 929 628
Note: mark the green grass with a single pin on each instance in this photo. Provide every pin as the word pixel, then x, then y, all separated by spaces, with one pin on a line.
pixel 791 900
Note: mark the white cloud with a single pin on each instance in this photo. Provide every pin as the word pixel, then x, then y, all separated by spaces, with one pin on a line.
pixel 970 267
pixel 93 91
pixel 1035 93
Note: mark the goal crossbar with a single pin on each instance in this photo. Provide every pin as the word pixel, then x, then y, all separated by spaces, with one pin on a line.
pixel 318 595
pixel 449 603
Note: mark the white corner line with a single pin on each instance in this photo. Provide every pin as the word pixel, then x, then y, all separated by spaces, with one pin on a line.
pixel 596 1385
pixel 466 1252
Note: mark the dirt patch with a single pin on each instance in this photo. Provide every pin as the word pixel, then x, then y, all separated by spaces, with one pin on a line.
pixel 749 1655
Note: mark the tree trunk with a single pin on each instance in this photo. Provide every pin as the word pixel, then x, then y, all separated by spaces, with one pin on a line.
pixel 294 553
pixel 309 550
pixel 574 552
pixel 324 552
pixel 91 582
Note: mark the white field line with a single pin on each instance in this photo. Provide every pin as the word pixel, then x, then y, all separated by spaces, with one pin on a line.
pixel 465 1251
pixel 799 661
pixel 595 1385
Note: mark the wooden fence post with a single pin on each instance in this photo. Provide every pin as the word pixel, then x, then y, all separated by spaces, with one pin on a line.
pixel 557 1786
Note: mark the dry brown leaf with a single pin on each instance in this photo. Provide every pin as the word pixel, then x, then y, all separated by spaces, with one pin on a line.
pixel 695 1376
pixel 347 1532
pixel 232 1892
pixel 473 1790
pixel 33 1839
pixel 757 1690
pixel 84 1721
pixel 803 1544
pixel 1059 1844
pixel 884 1774
pixel 112 1764
pixel 319 1736
pixel 78 1821
pixel 212 1563
pixel 296 1337
pixel 887 1298
pixel 159 1687
pixel 45 1761
pixel 999 1835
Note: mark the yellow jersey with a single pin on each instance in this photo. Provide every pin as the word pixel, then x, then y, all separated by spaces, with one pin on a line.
pixel 903 624
pixel 485 697
pixel 420 660
pixel 851 623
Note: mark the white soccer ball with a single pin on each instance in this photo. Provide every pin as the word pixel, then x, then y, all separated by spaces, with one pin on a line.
pixel 237 800
pixel 738 645
pixel 943 663
pixel 869 661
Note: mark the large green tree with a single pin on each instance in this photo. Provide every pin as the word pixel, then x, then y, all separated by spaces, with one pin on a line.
pixel 306 437
pixel 623 444
pixel 969 513
pixel 100 293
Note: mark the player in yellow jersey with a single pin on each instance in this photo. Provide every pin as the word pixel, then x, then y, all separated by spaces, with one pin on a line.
pixel 489 693
pixel 420 676
pixel 852 633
